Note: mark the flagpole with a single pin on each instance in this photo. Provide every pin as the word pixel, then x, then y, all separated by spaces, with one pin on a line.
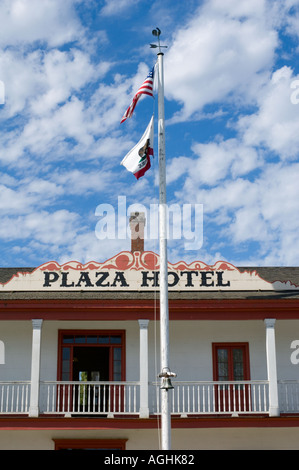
pixel 163 280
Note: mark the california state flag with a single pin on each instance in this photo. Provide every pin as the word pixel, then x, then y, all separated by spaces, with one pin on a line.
pixel 138 160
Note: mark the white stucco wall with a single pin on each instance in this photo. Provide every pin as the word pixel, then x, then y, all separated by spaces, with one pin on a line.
pixel 190 347
pixel 196 439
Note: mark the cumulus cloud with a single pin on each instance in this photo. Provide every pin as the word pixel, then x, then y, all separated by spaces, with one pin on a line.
pixel 275 124
pixel 61 135
pixel 28 21
pixel 58 228
pixel 223 53
pixel 117 7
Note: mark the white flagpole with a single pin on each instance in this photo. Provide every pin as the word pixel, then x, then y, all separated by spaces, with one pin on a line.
pixel 163 279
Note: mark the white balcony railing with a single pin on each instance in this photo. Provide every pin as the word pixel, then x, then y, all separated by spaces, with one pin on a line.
pixel 194 398
pixel 289 396
pixel 14 397
pixel 98 398
pixel 123 398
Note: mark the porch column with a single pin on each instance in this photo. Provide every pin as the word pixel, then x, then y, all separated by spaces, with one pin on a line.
pixel 271 366
pixel 143 367
pixel 35 368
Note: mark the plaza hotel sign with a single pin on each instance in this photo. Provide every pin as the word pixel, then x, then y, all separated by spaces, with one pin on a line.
pixel 139 271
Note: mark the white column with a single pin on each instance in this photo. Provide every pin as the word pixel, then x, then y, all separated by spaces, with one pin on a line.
pixel 35 367
pixel 143 367
pixel 271 366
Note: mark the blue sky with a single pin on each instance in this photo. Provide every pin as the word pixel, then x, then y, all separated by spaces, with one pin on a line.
pixel 70 69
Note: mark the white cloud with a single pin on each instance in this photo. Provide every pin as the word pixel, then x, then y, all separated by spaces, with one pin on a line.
pixel 27 21
pixel 223 55
pixel 117 7
pixel 262 211
pixel 224 52
pixel 82 182
pixel 53 229
pixel 218 160
pixel 54 118
pixel 275 124
pixel 39 81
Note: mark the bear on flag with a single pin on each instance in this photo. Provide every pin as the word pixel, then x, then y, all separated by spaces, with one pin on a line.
pixel 138 161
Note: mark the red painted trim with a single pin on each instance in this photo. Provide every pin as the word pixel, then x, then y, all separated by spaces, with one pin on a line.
pixel 119 444
pixel 122 345
pixel 48 423
pixel 230 346
pixel 130 309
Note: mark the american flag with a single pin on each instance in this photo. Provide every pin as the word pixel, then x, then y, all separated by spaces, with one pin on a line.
pixel 145 89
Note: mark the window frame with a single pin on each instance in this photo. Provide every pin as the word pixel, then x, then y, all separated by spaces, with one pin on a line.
pixel 230 346
pixel 100 332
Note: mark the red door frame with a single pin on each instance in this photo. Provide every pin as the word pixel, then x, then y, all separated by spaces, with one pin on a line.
pixel 239 397
pixel 121 333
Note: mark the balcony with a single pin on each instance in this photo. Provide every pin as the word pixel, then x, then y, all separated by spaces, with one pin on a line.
pixel 111 399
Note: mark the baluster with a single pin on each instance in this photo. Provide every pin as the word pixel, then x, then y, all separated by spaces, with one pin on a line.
pixel 198 397
pixel 22 391
pixel 77 387
pixel 135 398
pixel 26 397
pixel 230 392
pixel 63 398
pixel 98 397
pixel 214 397
pixel 12 398
pixel 109 398
pixel 130 398
pixel 2 397
pixel 53 397
pixel 125 399
pixel 253 391
pixel 58 396
pixel 248 387
pixel 104 398
pixel 88 390
pixel 48 399
pixel 183 389
pixel 7 390
pixel 17 397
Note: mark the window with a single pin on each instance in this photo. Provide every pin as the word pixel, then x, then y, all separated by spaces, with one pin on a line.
pixel 91 355
pixel 231 361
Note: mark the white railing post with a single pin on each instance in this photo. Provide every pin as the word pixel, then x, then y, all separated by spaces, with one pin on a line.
pixel 144 408
pixel 272 367
pixel 35 368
